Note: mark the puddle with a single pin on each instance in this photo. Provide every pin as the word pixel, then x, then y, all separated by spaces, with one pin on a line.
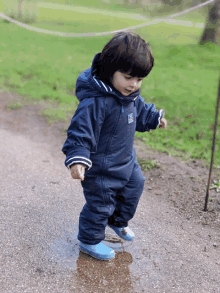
pixel 133 266
pixel 104 276
pixel 65 251
pixel 116 242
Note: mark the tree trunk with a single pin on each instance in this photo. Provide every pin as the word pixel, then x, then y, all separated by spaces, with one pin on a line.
pixel 211 31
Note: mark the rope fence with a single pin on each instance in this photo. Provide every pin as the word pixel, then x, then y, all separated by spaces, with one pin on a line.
pixel 61 34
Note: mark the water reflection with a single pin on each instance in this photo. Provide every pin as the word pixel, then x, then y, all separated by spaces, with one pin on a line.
pixel 103 276
pixel 90 274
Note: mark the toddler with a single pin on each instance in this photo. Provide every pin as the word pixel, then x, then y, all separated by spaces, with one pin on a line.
pixel 99 146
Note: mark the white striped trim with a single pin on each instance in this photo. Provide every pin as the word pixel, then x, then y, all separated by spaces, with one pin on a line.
pixel 109 88
pixel 78 157
pixel 96 81
pixel 104 86
pixel 79 162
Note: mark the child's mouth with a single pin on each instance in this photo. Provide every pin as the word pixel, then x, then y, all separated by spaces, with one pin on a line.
pixel 128 91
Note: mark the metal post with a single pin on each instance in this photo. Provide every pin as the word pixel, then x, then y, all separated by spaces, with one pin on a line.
pixel 213 149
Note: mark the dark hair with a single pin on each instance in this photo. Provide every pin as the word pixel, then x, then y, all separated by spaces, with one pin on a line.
pixel 125 52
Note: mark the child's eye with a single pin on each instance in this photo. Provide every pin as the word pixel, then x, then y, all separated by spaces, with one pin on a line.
pixel 128 77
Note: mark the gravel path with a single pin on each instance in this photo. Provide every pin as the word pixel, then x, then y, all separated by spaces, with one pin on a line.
pixel 40 204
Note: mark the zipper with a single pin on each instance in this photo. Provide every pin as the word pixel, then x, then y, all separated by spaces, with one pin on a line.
pixel 113 132
pixel 106 199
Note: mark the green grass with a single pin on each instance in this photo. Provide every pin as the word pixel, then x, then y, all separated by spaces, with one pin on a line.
pixel 14 106
pixel 184 80
pixel 41 66
pixel 79 22
pixel 89 10
pixel 198 15
pixel 152 10
pixel 110 5
pixel 147 165
pixel 75 22
pixel 2 6
pixel 86 3
pixel 215 184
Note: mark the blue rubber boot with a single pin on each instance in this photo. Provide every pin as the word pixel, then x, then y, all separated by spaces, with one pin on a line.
pixel 99 251
pixel 124 232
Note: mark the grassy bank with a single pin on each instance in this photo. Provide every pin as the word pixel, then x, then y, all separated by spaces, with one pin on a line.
pixel 151 9
pixel 183 81
pixel 79 22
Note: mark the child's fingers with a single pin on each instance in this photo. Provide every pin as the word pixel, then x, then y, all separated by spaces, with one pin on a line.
pixel 78 172
pixel 81 171
pixel 163 123
pixel 74 174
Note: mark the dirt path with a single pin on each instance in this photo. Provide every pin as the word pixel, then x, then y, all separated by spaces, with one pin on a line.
pixel 177 245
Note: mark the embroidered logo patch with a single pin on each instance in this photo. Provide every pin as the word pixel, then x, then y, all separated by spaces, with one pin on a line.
pixel 130 118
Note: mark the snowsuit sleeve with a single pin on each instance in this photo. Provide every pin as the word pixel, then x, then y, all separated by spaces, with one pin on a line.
pixel 147 116
pixel 83 132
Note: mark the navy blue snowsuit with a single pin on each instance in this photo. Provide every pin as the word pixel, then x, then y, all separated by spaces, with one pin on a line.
pixel 101 136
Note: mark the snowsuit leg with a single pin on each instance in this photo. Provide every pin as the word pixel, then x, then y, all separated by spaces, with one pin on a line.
pixel 127 199
pixel 95 213
pixel 108 206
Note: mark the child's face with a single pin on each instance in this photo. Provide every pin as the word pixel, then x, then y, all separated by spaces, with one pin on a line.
pixel 125 83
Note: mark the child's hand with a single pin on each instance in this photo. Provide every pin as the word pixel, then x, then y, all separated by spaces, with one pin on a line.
pixel 163 123
pixel 78 171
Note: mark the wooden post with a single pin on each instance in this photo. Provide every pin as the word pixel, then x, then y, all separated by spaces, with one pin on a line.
pixel 213 148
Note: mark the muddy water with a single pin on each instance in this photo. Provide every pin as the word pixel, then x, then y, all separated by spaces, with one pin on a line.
pixel 128 272
pixel 65 250
pixel 160 259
